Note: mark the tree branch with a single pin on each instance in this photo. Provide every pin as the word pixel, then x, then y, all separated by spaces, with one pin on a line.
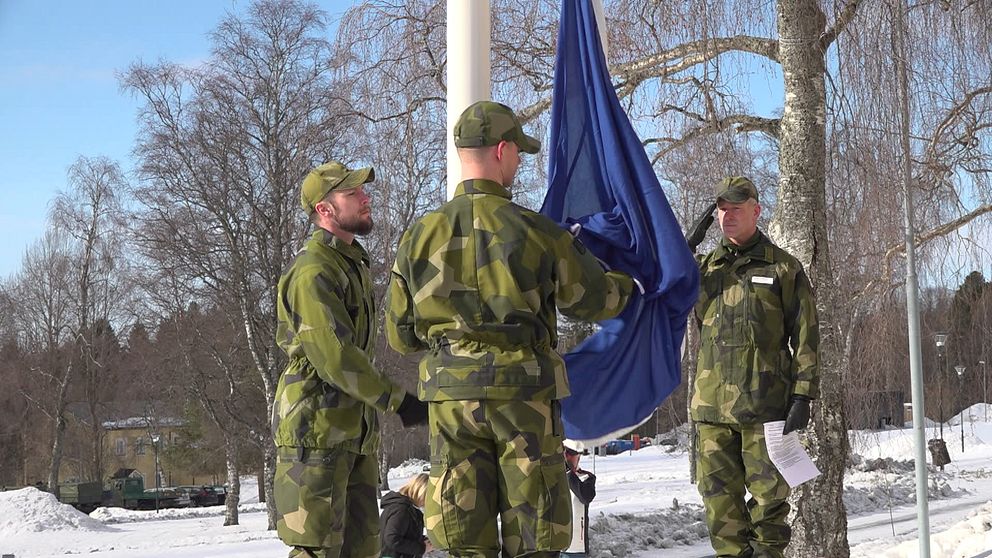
pixel 921 239
pixel 742 123
pixel 845 17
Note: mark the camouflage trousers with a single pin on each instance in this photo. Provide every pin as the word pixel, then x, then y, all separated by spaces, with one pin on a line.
pixel 732 457
pixel 495 457
pixel 326 502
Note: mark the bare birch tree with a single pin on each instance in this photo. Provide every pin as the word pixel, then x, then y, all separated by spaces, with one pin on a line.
pixel 223 150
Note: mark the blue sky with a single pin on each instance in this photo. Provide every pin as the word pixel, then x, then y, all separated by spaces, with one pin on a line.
pixel 59 95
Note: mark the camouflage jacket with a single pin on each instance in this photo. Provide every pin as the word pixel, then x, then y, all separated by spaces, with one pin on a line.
pixel 476 284
pixel 329 393
pixel 758 334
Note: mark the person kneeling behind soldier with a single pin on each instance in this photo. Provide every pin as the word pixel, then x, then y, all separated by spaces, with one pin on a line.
pixel 582 483
pixel 401 525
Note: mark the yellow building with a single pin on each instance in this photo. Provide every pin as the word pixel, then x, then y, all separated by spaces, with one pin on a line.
pixel 140 442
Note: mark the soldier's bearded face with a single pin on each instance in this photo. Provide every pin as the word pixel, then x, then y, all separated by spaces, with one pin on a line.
pixel 351 211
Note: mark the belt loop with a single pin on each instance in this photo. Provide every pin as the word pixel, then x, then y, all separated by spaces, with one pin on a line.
pixel 301 453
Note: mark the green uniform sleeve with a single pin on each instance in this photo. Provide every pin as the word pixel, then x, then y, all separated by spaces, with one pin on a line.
pixel 586 291
pixel 400 321
pixel 327 335
pixel 804 335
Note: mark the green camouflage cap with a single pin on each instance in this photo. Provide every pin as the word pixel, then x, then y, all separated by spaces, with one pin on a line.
pixel 487 123
pixel 736 189
pixel 329 177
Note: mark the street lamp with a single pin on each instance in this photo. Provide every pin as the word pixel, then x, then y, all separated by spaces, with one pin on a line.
pixel 940 339
pixel 960 370
pixel 155 439
pixel 985 389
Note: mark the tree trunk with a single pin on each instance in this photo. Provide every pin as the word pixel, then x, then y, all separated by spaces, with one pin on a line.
pixel 270 474
pixel 689 367
pixel 58 434
pixel 820 520
pixel 233 497
pixel 260 477
pixel 96 435
pixel 383 470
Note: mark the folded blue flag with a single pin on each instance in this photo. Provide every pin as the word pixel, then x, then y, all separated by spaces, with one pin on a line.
pixel 601 177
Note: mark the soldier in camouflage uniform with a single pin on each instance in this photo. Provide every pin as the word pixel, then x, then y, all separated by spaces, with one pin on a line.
pixel 476 284
pixel 324 418
pixel 757 363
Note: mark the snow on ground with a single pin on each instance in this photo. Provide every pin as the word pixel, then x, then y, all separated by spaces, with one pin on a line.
pixel 645 507
pixel 121 515
pixel 28 511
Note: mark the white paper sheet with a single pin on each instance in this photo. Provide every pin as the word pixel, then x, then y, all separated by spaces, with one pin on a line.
pixel 788 454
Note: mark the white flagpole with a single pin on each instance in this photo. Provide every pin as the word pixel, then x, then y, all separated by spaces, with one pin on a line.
pixel 468 30
pixel 597 7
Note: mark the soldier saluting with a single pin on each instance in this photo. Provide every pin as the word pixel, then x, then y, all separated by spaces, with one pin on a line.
pixel 757 363
pixel 476 284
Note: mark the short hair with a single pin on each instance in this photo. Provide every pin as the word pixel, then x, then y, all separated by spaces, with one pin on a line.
pixel 416 489
pixel 314 217
pixel 476 154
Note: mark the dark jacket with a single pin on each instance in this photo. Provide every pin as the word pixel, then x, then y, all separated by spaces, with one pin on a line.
pixel 401 527
pixel 583 487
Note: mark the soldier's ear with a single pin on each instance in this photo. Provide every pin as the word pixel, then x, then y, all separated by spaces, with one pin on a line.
pixel 324 208
pixel 501 148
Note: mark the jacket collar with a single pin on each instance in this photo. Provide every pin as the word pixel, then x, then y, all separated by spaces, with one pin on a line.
pixel 755 248
pixel 482 186
pixel 354 251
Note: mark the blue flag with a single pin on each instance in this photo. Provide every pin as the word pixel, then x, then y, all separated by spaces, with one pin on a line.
pixel 601 178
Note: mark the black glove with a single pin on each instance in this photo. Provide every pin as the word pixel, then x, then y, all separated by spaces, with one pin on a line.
pixel 412 411
pixel 698 232
pixel 798 415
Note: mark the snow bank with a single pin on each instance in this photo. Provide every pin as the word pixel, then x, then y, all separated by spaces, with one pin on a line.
pixel 31 510
pixel 967 539
pixel 884 483
pixel 627 534
pixel 406 470
pixel 121 515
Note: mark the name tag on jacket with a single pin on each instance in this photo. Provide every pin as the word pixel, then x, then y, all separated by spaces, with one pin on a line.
pixel 763 280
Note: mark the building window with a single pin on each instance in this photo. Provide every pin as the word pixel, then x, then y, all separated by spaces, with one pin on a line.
pixel 140 446
pixel 121 448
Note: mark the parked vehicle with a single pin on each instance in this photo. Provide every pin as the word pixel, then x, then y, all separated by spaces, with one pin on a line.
pixel 124 492
pixel 201 495
pixel 84 496
pixel 129 492
pixel 221 494
pixel 614 447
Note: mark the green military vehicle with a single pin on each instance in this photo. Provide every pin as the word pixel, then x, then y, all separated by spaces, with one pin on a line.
pixel 84 496
pixel 129 492
pixel 126 491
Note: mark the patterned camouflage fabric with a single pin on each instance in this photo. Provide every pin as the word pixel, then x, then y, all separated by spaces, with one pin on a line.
pixel 758 347
pixel 327 397
pixel 326 502
pixel 329 177
pixel 476 283
pixel 730 458
pixel 487 123
pixel 758 334
pixel 736 189
pixel 492 457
